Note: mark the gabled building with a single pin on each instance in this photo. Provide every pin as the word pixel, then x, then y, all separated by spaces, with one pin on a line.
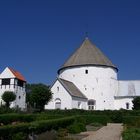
pixel 88 80
pixel 11 80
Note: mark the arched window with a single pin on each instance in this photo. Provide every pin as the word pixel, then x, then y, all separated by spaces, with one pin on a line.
pixel 91 104
pixel 57 103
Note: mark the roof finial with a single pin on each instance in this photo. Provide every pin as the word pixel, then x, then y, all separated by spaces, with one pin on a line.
pixel 86 34
pixel 86 31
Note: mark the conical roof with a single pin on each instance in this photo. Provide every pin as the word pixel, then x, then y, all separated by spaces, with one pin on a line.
pixel 87 54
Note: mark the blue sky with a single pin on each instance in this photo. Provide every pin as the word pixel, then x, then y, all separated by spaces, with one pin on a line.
pixel 37 36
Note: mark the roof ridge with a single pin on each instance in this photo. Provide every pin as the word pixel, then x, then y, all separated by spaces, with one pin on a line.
pixel 17 74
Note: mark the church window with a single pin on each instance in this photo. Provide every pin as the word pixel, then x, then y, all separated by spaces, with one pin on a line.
pixel 6 81
pixel 127 105
pixel 86 71
pixel 91 104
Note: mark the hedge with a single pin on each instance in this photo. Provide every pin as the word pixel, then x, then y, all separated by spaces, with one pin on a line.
pixel 9 118
pixel 36 126
pixel 132 120
pixel 93 112
pixel 102 119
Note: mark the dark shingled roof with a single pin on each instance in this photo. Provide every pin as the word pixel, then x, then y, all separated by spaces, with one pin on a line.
pixel 87 54
pixel 71 88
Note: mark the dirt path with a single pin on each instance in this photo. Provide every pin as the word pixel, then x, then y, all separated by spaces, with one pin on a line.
pixel 109 132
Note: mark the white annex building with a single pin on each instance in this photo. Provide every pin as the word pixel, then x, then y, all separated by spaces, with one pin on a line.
pixel 11 80
pixel 88 80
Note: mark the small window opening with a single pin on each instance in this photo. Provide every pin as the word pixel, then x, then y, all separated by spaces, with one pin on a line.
pixel 127 105
pixel 57 88
pixel 86 71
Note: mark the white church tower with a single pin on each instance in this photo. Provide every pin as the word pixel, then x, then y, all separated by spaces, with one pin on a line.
pixel 87 80
pixel 11 80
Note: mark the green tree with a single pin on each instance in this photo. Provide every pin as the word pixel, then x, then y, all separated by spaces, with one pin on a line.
pixel 8 96
pixel 136 103
pixel 38 95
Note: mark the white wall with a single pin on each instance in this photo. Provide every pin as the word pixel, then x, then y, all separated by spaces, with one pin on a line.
pixel 76 101
pixel 120 103
pixel 66 100
pixel 129 88
pixel 99 84
pixel 19 91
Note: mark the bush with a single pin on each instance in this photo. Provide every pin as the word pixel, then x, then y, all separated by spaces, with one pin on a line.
pixel 117 117
pixel 131 134
pixel 62 132
pixel 132 120
pixel 76 128
pixel 4 110
pixel 19 136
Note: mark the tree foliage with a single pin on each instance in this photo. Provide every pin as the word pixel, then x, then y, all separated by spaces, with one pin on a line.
pixel 38 95
pixel 136 103
pixel 8 96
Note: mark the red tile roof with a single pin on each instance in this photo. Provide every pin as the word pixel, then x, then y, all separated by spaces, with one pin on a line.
pixel 17 74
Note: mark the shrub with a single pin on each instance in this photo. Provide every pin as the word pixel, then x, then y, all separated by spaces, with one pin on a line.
pixel 76 128
pixel 19 136
pixel 62 132
pixel 117 117
pixel 131 134
pixel 131 120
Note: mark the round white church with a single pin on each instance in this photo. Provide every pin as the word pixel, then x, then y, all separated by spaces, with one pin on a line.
pixel 88 80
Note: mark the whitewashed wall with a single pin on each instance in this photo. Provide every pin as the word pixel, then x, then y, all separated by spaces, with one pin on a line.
pixel 120 103
pixel 129 88
pixel 19 91
pixel 66 99
pixel 99 84
pixel 77 101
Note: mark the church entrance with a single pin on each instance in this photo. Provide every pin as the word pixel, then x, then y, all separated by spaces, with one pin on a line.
pixel 57 103
pixel 91 104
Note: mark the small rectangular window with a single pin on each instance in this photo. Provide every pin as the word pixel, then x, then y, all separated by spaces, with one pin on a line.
pixel 86 71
